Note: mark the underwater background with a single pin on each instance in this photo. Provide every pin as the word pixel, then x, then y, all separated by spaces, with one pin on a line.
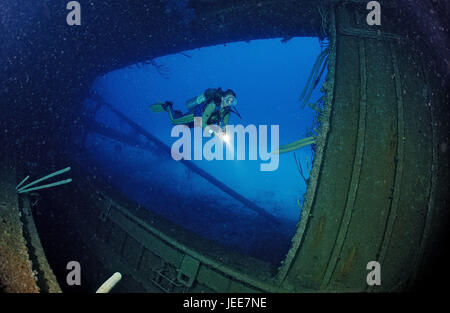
pixel 268 76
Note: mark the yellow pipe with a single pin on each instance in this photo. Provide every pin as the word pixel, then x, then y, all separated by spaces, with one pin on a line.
pixel 295 145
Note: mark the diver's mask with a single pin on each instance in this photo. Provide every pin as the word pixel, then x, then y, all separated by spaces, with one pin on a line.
pixel 229 100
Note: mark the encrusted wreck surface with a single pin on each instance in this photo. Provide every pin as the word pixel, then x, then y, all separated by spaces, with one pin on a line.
pixel 16 274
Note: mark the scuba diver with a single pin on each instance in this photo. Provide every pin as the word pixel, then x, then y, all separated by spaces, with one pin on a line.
pixel 213 106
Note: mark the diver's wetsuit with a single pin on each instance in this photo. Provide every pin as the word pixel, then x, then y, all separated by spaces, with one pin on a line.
pixel 209 110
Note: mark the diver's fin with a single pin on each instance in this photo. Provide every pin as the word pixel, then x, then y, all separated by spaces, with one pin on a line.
pixel 158 107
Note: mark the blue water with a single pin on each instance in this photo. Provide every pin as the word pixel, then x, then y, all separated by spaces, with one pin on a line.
pixel 268 77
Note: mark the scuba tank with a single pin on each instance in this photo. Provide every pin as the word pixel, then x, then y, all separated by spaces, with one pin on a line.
pixel 197 104
pixel 192 103
pixel 210 94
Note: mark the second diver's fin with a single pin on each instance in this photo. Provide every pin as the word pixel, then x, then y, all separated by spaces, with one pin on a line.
pixel 160 106
pixel 157 107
